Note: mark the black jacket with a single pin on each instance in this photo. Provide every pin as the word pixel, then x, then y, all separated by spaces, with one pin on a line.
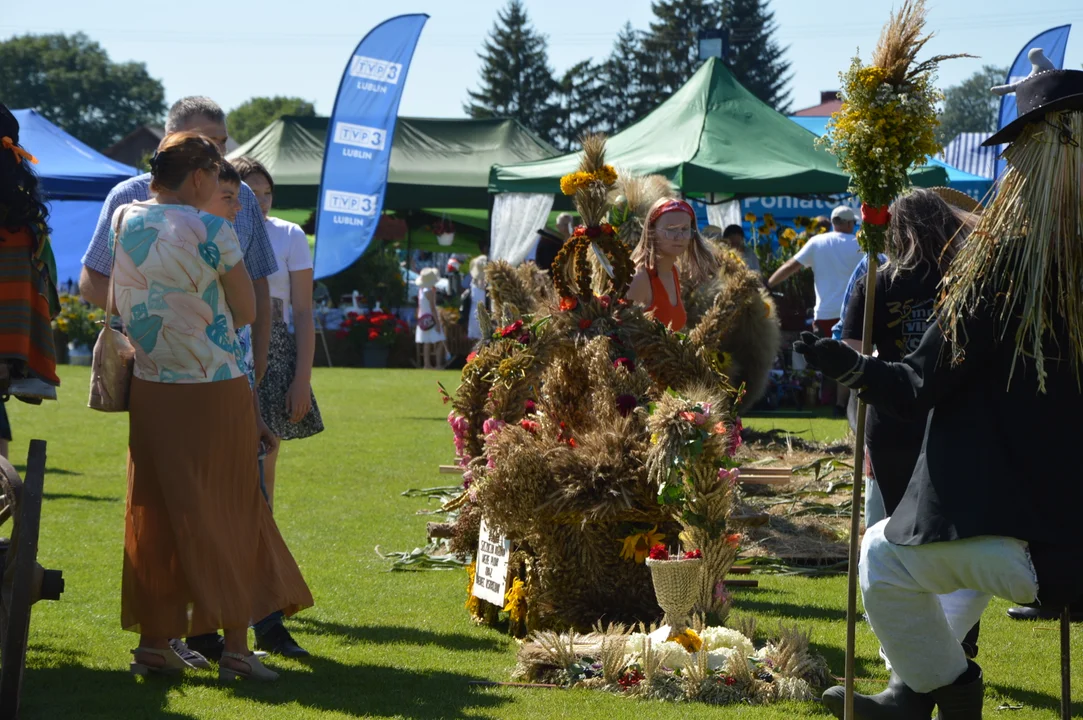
pixel 999 458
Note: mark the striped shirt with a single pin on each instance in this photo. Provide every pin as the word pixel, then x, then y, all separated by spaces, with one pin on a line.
pixel 259 257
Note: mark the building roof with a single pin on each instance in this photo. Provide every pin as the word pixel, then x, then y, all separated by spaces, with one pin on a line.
pixel 829 104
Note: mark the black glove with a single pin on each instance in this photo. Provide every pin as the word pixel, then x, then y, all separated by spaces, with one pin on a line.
pixel 834 359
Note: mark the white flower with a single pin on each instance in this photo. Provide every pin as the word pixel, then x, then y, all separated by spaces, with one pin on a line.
pixel 721 638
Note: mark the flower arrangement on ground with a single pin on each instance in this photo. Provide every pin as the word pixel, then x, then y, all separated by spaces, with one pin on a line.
pixel 553 425
pixel 80 322
pixel 376 327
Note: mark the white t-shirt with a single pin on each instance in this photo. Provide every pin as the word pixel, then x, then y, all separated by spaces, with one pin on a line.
pixel 291 251
pixel 832 257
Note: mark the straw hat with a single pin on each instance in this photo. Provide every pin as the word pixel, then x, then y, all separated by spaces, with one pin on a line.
pixel 428 278
pixel 958 199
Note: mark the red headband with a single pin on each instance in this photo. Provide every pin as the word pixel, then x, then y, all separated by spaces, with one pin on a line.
pixel 673 206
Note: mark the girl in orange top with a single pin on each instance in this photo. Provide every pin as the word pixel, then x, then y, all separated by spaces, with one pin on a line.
pixel 669 247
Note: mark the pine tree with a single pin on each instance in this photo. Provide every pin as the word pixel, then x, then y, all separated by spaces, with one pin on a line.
pixel 754 58
pixel 578 93
pixel 516 81
pixel 669 52
pixel 622 96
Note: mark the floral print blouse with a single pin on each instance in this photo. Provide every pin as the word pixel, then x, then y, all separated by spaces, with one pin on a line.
pixel 167 282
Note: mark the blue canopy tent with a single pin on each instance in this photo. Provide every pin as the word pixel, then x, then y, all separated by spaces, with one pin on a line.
pixel 75 180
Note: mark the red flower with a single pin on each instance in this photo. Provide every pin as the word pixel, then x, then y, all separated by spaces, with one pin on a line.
pixel 530 407
pixel 733 539
pixel 512 329
pixel 353 315
pixel 568 303
pixel 630 679
pixel 626 363
pixel 594 231
pixel 572 442
pixel 692 554
pixel 524 339
pixel 373 334
pixel 470 357
pixel 529 425
pixel 584 323
pixel 342 334
pixel 659 552
pixel 605 301
pixel 626 404
pixel 730 680
pixel 348 322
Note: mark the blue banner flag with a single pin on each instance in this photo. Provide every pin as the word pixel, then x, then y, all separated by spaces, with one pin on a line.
pixel 358 147
pixel 1053 42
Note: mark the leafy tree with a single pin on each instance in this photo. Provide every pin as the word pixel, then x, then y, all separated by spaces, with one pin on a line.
pixel 578 93
pixel 516 80
pixel 969 106
pixel 755 59
pixel 253 115
pixel 70 80
pixel 622 98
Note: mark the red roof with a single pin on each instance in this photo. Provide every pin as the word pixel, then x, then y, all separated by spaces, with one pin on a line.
pixel 829 104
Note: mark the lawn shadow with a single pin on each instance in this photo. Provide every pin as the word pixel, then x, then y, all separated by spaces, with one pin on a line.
pixel 392 635
pixel 788 610
pixel 836 663
pixel 376 691
pixel 21 469
pixel 70 689
pixel 77 496
pixel 1034 699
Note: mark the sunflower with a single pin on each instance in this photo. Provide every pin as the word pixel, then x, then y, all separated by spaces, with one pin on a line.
pixel 689 640
pixel 472 603
pixel 790 234
pixel 515 601
pixel 769 220
pixel 638 545
pixel 750 217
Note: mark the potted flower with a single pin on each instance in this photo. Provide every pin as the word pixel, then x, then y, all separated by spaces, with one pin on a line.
pixel 373 334
pixel 81 323
pixel 444 231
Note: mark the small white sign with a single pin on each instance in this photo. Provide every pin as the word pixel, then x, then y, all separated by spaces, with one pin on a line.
pixel 347 202
pixel 375 69
pixel 491 571
pixel 360 136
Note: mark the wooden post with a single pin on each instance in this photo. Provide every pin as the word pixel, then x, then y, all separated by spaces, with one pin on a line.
pixel 855 507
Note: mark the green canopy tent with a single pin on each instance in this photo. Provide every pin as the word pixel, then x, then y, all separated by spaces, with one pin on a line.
pixel 713 139
pixel 435 163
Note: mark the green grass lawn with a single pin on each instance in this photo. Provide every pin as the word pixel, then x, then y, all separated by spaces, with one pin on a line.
pixel 384 644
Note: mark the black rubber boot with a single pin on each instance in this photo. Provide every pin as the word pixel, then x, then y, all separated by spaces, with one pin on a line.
pixel 961 702
pixel 898 702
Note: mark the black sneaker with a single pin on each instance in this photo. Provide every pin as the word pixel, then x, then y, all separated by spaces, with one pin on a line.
pixel 189 655
pixel 278 641
pixel 209 646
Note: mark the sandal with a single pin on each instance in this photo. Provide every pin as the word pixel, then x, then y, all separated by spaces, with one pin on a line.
pixel 256 671
pixel 172 663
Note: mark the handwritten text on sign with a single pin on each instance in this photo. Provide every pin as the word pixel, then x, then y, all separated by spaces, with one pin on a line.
pixel 491 575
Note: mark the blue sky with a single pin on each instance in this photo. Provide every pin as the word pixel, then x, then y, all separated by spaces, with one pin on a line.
pixel 233 51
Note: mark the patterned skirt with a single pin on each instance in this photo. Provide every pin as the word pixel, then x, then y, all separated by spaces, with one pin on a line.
pixel 281 362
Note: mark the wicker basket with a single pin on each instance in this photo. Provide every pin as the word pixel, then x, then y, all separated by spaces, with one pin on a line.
pixel 676 586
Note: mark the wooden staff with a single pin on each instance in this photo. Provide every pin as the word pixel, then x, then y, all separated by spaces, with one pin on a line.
pixel 855 507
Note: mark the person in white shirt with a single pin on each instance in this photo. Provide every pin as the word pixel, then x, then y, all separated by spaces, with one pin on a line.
pixel 832 256
pixel 286 400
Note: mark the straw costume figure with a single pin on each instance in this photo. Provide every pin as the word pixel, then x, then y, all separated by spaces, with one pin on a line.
pixel 1002 373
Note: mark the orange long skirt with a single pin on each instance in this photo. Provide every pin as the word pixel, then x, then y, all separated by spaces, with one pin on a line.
pixel 201 549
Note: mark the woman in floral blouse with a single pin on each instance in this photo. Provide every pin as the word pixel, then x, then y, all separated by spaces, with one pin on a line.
pixel 201 550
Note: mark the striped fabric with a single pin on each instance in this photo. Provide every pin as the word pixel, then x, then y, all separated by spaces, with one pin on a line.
pixel 966 153
pixel 26 329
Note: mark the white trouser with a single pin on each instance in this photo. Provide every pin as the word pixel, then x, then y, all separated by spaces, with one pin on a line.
pixel 900 584
pixel 962 608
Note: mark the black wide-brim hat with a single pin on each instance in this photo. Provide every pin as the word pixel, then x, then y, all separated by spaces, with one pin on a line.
pixel 1039 95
